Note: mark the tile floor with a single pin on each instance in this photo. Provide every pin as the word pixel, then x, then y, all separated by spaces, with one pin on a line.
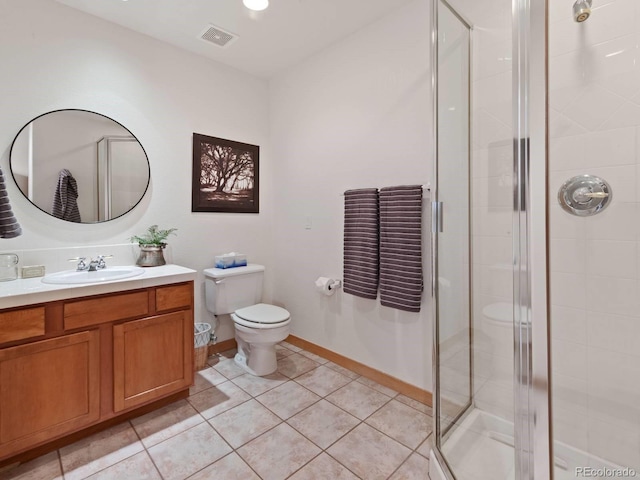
pixel 311 420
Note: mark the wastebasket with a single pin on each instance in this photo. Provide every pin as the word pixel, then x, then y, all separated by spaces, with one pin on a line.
pixel 201 336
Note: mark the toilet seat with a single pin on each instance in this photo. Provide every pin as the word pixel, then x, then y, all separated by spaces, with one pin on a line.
pixel 261 316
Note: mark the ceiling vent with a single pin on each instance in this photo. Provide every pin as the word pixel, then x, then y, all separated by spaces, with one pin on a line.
pixel 217 36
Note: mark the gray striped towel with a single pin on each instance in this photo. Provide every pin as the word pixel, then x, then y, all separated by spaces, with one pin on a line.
pixel 361 242
pixel 401 247
pixel 9 226
pixel 65 200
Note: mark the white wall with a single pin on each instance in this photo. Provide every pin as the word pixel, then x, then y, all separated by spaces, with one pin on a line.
pixel 594 88
pixel 55 57
pixel 355 115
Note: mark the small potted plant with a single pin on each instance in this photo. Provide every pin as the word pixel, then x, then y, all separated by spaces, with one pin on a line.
pixel 151 245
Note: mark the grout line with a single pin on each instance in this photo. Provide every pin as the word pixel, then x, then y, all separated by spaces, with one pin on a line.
pixel 146 450
pixel 305 464
pixel 246 463
pixel 401 464
pixel 119 461
pixel 60 462
pixel 343 465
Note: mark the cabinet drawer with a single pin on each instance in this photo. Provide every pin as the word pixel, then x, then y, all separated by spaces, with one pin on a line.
pixel 21 324
pixel 174 296
pixel 94 311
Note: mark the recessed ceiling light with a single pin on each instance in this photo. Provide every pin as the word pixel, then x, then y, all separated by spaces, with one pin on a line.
pixel 256 5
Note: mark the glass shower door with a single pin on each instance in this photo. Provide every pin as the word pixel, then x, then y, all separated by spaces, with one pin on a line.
pixel 452 284
pixel 474 285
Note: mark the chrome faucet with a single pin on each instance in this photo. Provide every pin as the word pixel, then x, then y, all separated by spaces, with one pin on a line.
pixel 101 263
pixel 82 265
pixel 93 265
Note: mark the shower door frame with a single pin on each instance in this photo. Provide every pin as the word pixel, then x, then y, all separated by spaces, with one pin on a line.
pixel 436 228
pixel 532 379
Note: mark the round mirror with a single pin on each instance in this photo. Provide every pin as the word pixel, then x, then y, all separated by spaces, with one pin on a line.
pixel 79 166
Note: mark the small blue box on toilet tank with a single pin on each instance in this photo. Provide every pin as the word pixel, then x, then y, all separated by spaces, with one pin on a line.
pixel 230 260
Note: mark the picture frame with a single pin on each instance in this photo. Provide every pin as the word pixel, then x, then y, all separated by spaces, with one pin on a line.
pixel 225 176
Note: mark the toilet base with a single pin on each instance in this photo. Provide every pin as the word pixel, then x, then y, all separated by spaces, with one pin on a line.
pixel 257 348
pixel 256 359
pixel 261 361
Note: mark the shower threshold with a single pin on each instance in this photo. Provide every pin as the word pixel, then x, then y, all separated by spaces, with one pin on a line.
pixel 481 447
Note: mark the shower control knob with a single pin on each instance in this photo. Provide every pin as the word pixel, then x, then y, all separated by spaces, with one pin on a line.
pixel 596 194
pixel 584 195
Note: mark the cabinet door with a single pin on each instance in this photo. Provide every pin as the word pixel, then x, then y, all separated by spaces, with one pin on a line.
pixel 153 357
pixel 47 389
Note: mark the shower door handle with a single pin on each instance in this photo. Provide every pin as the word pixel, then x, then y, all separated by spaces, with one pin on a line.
pixel 436 217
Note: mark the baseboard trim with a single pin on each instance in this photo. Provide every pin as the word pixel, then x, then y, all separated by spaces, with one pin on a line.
pixel 400 386
pixel 411 391
pixel 222 346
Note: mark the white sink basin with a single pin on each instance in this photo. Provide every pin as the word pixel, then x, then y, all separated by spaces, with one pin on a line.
pixel 107 275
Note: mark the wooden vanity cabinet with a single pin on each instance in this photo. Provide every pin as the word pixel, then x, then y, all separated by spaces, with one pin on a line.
pixel 151 358
pixel 72 364
pixel 48 388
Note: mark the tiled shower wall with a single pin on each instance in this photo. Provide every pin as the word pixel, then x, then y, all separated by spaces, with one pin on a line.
pixel 595 261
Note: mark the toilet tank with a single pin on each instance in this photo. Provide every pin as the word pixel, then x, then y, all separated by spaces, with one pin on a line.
pixel 227 290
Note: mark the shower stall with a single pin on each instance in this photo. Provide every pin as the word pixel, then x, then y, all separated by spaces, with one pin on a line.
pixel 536 242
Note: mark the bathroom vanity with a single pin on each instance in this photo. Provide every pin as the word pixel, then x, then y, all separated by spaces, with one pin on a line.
pixel 75 357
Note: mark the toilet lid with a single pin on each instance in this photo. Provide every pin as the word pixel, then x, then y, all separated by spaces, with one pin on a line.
pixel 263 313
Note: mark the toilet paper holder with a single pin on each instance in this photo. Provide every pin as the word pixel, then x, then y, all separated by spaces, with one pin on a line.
pixel 328 285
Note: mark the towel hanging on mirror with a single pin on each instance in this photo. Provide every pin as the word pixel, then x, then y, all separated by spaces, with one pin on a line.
pixel 65 201
pixel 9 226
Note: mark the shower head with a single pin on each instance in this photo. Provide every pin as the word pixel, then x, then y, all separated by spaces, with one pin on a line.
pixel 581 10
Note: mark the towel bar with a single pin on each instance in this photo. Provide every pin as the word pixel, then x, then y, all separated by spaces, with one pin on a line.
pixel 426 187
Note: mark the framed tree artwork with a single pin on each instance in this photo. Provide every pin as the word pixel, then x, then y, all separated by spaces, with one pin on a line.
pixel 225 175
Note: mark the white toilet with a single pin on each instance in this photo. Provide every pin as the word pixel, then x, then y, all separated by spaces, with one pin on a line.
pixel 258 326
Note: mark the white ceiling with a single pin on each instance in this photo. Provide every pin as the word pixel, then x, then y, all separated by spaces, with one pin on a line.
pixel 268 41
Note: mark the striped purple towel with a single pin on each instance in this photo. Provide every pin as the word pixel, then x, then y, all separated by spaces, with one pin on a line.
pixel 65 200
pixel 9 226
pixel 361 242
pixel 401 247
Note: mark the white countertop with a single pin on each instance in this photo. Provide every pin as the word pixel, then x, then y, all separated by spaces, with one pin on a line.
pixel 29 291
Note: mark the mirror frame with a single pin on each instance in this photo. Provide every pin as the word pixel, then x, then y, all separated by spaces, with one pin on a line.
pixel 146 188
